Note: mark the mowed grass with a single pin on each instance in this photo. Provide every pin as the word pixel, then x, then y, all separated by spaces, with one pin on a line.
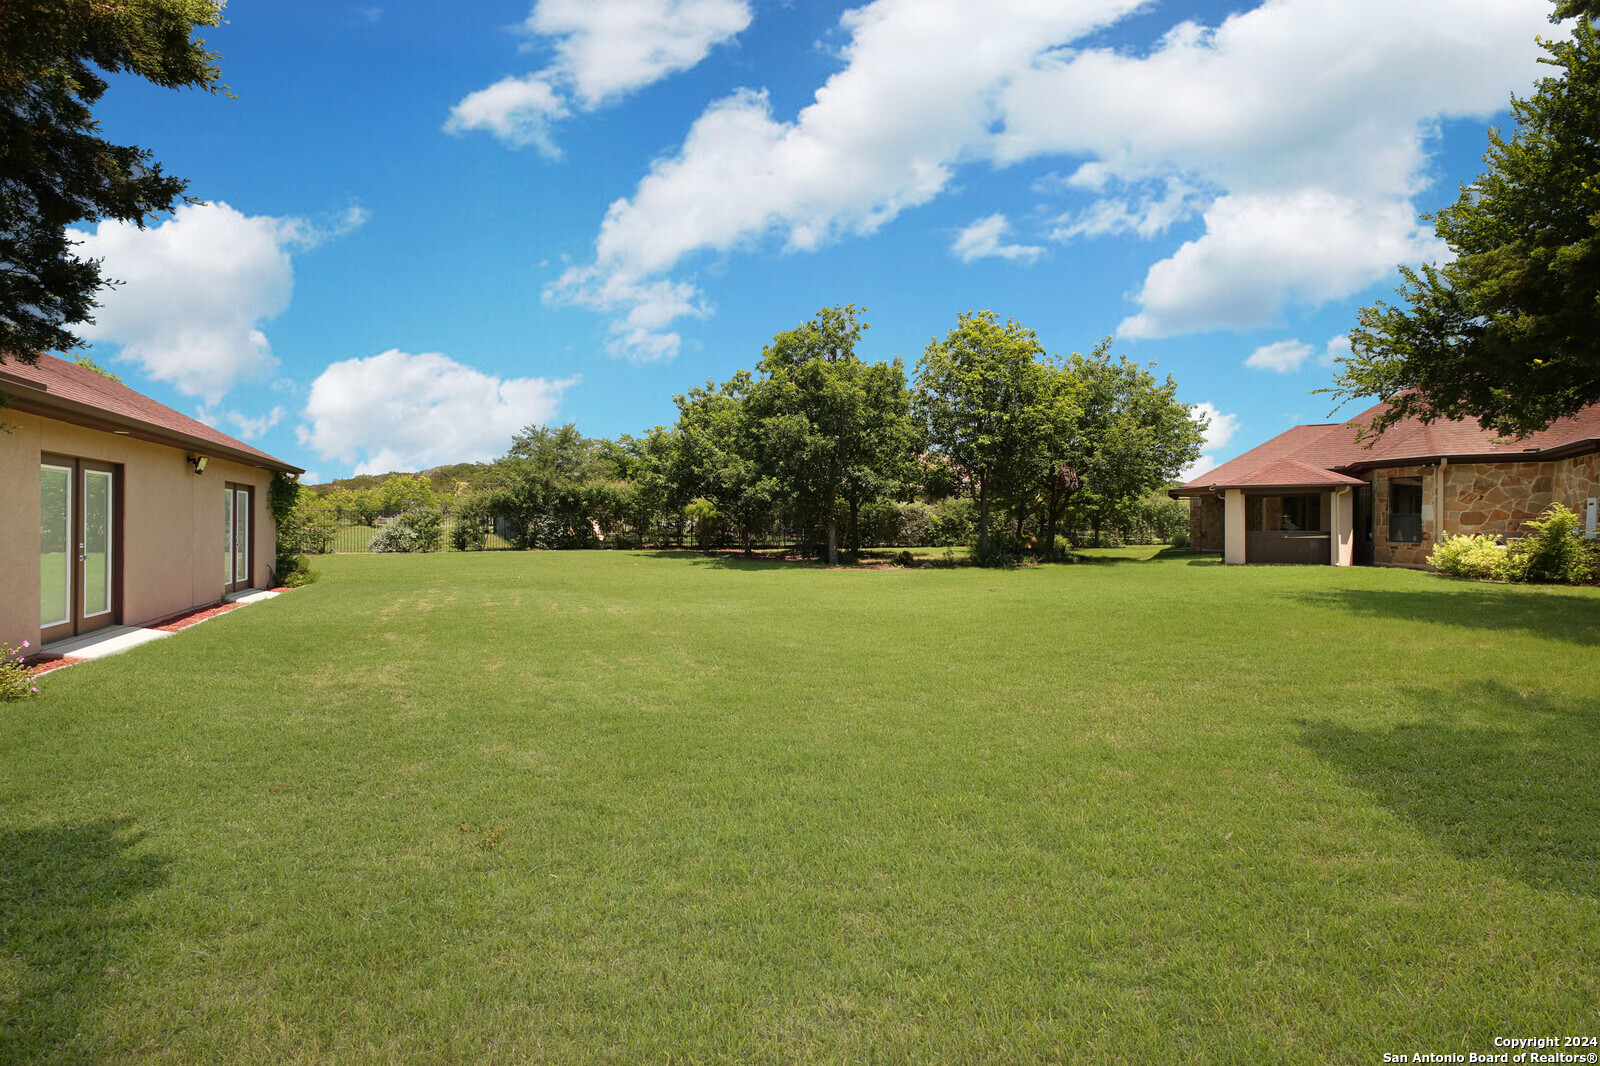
pixel 610 807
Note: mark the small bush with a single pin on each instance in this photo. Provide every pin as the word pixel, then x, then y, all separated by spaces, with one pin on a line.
pixel 293 571
pixel 467 535
pixel 1551 551
pixel 906 559
pixel 16 680
pixel 1477 556
pixel 418 530
pixel 1179 540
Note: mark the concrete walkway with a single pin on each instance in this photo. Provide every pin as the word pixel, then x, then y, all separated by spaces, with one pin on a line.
pixel 117 639
pixel 102 642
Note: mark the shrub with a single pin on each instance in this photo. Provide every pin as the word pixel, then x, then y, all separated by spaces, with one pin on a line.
pixel 1179 540
pixel 468 534
pixel 418 530
pixel 1550 551
pixel 293 571
pixel 16 680
pixel 951 523
pixel 1477 555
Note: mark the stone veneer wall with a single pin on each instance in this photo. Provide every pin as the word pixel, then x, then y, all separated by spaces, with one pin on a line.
pixel 1401 554
pixel 1207 523
pixel 1576 480
pixel 1493 498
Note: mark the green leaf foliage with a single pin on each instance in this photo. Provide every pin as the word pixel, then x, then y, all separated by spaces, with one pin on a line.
pixel 1508 331
pixel 55 171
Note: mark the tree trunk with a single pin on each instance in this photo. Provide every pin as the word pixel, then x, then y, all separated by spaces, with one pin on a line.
pixel 833 541
pixel 1094 524
pixel 983 519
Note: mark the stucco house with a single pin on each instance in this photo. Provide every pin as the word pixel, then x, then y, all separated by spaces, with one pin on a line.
pixel 1314 494
pixel 136 512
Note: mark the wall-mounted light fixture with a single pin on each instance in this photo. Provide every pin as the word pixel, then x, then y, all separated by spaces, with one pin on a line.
pixel 199 463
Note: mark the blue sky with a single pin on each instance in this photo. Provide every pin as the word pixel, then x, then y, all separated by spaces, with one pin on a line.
pixel 428 226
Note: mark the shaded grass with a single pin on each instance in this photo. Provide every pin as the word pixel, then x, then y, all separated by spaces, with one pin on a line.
pixel 634 807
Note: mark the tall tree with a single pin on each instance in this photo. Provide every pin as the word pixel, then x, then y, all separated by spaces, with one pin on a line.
pixel 718 454
pixel 54 170
pixel 834 429
pixel 1130 437
pixel 1508 332
pixel 991 406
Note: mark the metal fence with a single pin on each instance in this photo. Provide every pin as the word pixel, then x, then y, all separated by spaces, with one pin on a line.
pixel 347 534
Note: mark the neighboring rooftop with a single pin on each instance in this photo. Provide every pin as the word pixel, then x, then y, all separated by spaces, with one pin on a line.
pixel 1318 456
pixel 56 388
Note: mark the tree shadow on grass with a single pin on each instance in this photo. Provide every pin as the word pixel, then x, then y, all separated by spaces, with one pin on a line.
pixel 1473 605
pixel 1517 791
pixel 64 900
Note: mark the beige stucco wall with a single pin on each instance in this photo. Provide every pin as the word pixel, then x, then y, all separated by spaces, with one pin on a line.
pixel 172 522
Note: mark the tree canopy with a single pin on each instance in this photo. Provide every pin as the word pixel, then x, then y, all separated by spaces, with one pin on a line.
pixel 55 171
pixel 1508 331
pixel 991 406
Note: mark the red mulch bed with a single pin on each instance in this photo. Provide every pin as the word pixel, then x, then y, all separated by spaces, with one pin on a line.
pixel 189 618
pixel 35 669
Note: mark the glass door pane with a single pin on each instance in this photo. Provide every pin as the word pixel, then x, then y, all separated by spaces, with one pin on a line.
pixel 96 543
pixel 55 548
pixel 241 535
pixel 227 536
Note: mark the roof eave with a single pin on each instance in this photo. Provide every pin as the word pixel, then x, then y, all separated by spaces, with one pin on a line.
pixel 39 401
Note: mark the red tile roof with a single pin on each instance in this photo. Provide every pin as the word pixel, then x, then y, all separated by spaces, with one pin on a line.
pixel 56 388
pixel 1322 455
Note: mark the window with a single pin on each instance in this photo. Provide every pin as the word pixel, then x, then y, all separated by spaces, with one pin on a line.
pixel 1405 510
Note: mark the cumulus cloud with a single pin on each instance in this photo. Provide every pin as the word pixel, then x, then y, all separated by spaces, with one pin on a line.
pixel 518 111
pixel 886 133
pixel 1337 348
pixel 398 411
pixel 198 289
pixel 1284 357
pixel 1220 429
pixel 1296 132
pixel 986 239
pixel 604 50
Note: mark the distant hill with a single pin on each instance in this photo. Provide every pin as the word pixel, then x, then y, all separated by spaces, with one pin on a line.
pixel 446 480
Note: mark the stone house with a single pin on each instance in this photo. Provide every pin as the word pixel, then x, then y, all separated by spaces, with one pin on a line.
pixel 1314 494
pixel 136 512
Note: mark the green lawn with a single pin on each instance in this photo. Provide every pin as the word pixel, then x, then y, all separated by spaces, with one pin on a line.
pixel 659 807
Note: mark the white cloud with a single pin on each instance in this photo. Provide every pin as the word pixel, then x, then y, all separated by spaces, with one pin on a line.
pixel 248 427
pixel 985 239
pixel 607 48
pixel 198 289
pixel 915 100
pixel 1220 429
pixel 518 111
pixel 1284 357
pixel 1260 254
pixel 1297 132
pixel 1146 217
pixel 1308 119
pixel 1337 348
pixel 397 411
pixel 604 49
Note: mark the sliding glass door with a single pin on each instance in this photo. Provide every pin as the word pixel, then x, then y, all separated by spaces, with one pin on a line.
pixel 79 530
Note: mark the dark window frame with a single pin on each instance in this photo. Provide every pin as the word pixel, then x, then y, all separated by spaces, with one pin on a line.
pixel 1405 510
